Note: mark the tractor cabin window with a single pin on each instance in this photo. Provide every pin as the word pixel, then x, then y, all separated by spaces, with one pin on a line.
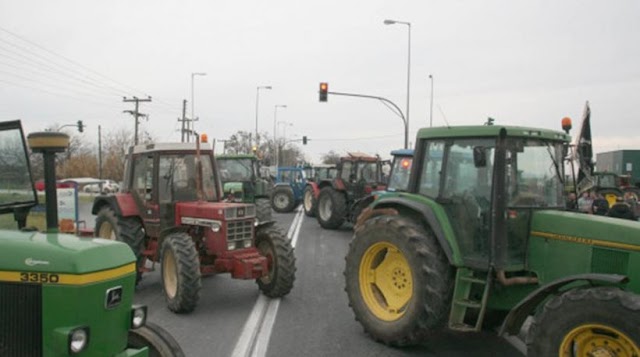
pixel 178 178
pixel 143 177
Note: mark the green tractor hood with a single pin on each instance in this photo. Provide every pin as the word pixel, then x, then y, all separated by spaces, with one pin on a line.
pixel 60 253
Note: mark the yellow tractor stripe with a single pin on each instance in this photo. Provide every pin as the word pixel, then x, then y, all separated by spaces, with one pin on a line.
pixel 588 241
pixel 31 277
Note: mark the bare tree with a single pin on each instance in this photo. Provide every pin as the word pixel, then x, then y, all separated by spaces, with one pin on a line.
pixel 331 158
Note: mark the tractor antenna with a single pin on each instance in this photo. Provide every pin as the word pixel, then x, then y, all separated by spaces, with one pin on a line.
pixel 198 169
pixel 444 116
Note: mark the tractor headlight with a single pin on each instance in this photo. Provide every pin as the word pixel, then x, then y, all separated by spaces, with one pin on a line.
pixel 246 243
pixel 231 245
pixel 138 316
pixel 78 339
pixel 215 227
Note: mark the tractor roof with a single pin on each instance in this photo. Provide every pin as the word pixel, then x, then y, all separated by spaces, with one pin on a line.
pixel 491 131
pixel 402 152
pixel 169 147
pixel 236 156
pixel 360 156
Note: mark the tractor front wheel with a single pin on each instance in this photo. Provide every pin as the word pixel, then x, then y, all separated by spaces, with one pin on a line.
pixel 180 272
pixel 332 208
pixel 398 280
pixel 158 341
pixel 600 321
pixel 309 202
pixel 282 200
pixel 263 210
pixel 106 225
pixel 282 263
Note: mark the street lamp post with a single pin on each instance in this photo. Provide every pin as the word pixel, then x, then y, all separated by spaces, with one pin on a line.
pixel 284 137
pixel 275 118
pixel 193 103
pixel 391 22
pixel 258 101
pixel 431 106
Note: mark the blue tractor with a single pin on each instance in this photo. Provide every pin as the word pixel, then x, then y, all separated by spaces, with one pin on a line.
pixel 288 189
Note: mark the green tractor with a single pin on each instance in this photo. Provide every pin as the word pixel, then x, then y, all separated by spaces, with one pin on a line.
pixel 242 182
pixel 482 237
pixel 61 295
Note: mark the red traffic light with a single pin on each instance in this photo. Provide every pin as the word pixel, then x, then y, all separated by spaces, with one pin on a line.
pixel 324 91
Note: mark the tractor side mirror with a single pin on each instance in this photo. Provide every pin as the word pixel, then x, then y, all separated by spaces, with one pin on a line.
pixel 479 156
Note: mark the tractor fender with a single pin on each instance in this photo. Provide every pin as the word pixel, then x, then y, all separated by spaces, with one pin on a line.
pixel 123 204
pixel 282 184
pixel 429 216
pixel 516 317
pixel 315 188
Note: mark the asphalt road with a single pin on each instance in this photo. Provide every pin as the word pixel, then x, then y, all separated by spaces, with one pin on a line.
pixel 234 319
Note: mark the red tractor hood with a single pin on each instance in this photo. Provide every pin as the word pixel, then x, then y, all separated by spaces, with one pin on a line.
pixel 220 211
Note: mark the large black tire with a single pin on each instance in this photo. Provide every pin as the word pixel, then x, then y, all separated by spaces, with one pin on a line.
pixel 180 272
pixel 282 262
pixel 263 210
pixel 132 232
pixel 331 208
pixel 407 280
pixel 309 202
pixel 159 342
pixel 282 199
pixel 587 321
pixel 106 225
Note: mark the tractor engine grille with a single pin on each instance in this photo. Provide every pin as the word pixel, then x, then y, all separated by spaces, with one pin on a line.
pixel 239 234
pixel 20 319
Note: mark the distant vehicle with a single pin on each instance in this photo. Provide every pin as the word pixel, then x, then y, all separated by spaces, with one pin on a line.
pixel 108 186
pixel 40 185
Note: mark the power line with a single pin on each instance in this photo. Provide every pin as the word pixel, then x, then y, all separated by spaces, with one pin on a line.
pixel 361 138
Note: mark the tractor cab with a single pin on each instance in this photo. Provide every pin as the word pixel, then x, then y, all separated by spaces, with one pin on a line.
pixel 400 170
pixel 360 174
pixel 241 179
pixel 490 184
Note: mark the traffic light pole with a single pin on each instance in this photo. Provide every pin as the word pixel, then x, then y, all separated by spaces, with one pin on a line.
pixel 386 102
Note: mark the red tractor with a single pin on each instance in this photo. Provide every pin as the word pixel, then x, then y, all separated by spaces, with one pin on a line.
pixel 171 210
pixel 341 199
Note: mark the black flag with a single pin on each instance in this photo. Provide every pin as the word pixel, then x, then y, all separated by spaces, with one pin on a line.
pixel 585 148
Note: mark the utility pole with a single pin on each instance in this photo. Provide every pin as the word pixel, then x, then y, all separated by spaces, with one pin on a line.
pixel 183 120
pixel 99 152
pixel 136 114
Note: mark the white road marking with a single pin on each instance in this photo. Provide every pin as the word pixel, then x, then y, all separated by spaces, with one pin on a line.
pixel 256 333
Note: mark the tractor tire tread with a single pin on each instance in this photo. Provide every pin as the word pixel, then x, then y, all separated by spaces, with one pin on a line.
pixel 284 275
pixel 189 277
pixel 338 205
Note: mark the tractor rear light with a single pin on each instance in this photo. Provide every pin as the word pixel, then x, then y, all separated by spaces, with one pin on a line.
pixel 138 316
pixel 78 339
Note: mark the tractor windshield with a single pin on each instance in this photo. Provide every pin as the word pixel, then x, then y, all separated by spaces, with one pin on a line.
pixel 236 170
pixel 368 172
pixel 15 177
pixel 400 172
pixel 178 178
pixel 534 176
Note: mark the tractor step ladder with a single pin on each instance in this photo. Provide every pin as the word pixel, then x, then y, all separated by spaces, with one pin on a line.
pixel 459 319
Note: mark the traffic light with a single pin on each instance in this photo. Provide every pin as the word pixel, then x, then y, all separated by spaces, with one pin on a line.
pixel 80 126
pixel 304 140
pixel 324 89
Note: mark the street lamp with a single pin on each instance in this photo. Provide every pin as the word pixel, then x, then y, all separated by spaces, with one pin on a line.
pixel 284 137
pixel 257 101
pixel 275 116
pixel 406 127
pixel 431 106
pixel 193 104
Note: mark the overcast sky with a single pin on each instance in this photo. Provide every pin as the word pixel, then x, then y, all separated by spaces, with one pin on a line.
pixel 521 62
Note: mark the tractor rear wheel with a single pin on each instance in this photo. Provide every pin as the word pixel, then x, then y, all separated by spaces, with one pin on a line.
pixel 398 280
pixel 282 199
pixel 600 321
pixel 159 342
pixel 332 208
pixel 309 202
pixel 132 233
pixel 272 244
pixel 180 272
pixel 106 225
pixel 263 210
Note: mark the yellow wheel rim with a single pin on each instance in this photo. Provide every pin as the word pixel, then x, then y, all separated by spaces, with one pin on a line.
pixel 169 273
pixel 595 340
pixel 386 281
pixel 611 198
pixel 106 231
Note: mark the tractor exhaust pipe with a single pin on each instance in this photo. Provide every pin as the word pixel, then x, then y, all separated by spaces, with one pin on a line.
pixel 515 280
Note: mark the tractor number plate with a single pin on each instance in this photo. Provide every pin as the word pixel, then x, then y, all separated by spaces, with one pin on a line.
pixel 39 278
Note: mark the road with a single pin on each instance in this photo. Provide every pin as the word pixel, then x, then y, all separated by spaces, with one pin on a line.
pixel 234 319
